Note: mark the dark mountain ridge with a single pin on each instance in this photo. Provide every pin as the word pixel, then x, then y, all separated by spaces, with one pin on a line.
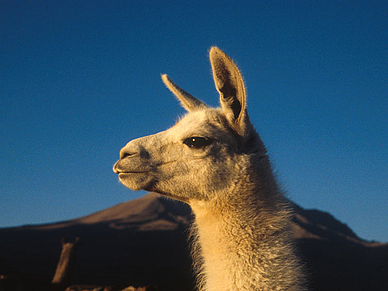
pixel 145 241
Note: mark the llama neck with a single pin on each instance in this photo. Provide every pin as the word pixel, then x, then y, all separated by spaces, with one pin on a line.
pixel 245 244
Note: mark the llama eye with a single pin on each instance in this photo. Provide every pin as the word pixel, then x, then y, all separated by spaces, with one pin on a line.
pixel 197 142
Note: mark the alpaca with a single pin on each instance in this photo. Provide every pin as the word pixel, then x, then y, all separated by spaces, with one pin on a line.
pixel 214 160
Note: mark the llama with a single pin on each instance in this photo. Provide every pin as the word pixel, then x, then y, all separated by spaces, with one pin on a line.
pixel 214 160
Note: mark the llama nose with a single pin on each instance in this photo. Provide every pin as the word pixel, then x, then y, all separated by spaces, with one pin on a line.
pixel 129 152
pixel 132 152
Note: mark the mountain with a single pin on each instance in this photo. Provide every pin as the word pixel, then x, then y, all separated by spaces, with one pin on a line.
pixel 145 242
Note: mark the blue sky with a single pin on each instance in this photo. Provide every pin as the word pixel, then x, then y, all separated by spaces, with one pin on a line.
pixel 79 79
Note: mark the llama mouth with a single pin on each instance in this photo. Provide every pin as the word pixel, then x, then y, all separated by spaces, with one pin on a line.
pixel 118 170
pixel 122 174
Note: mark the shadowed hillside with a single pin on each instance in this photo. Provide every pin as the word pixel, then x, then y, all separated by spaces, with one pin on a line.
pixel 145 242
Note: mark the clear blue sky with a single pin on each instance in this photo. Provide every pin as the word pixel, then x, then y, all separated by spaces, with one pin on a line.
pixel 78 79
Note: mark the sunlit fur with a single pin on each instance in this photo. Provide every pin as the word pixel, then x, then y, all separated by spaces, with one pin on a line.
pixel 241 231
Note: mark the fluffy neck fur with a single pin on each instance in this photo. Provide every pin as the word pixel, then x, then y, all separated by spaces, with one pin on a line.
pixel 245 243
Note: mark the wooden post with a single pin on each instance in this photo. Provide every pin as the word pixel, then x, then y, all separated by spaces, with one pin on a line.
pixel 65 265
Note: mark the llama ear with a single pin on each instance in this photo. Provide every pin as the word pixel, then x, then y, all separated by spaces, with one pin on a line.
pixel 230 85
pixel 188 102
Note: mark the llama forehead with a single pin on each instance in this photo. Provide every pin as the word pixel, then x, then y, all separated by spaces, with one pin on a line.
pixel 209 122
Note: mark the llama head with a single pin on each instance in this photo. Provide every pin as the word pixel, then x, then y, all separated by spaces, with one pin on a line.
pixel 206 152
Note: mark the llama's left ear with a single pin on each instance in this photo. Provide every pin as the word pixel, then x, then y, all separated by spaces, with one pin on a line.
pixel 188 101
pixel 230 85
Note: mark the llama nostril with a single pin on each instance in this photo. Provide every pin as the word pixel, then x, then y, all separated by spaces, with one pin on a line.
pixel 124 155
